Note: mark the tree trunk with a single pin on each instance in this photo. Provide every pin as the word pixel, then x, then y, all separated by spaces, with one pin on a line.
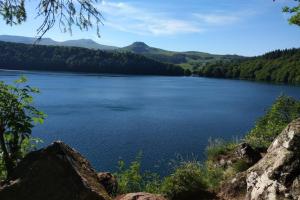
pixel 9 165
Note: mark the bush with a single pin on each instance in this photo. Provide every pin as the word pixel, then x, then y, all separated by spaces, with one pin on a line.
pixel 186 181
pixel 213 174
pixel 18 116
pixel 132 179
pixel 282 112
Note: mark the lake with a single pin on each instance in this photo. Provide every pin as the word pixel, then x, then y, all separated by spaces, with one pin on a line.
pixel 113 117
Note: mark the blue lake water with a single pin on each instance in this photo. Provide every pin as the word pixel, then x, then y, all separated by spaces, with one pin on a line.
pixel 112 117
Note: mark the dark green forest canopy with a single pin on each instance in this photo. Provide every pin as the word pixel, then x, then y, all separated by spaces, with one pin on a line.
pixel 281 66
pixel 53 58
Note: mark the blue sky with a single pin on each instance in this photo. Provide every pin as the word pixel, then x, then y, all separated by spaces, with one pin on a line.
pixel 245 27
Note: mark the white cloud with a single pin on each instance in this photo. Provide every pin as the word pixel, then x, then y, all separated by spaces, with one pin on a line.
pixel 125 17
pixel 217 19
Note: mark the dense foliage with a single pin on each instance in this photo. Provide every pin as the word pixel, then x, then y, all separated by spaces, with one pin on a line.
pixel 283 111
pixel 282 66
pixel 186 182
pixel 295 13
pixel 17 118
pixel 54 58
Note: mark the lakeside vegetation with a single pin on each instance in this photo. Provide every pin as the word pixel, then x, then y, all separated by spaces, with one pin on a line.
pixel 280 66
pixel 16 56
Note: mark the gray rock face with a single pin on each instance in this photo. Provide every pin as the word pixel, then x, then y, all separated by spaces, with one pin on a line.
pixel 276 175
pixel 57 172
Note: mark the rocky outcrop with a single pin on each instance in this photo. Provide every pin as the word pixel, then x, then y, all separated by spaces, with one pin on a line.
pixel 140 196
pixel 276 175
pixel 57 172
pixel 109 182
pixel 245 152
pixel 242 153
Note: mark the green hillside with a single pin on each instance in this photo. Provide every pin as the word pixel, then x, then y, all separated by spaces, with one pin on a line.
pixel 281 66
pixel 55 58
pixel 190 59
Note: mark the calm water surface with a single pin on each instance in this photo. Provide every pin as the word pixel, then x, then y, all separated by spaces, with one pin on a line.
pixel 112 117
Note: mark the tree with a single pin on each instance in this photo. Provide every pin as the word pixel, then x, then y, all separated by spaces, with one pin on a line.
pixel 295 11
pixel 66 13
pixel 17 118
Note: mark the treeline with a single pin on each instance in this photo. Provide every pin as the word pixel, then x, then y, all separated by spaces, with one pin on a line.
pixel 53 58
pixel 281 66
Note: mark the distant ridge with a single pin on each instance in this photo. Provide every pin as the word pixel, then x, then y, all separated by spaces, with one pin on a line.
pixel 187 59
pixel 19 56
pixel 85 43
pixel 191 60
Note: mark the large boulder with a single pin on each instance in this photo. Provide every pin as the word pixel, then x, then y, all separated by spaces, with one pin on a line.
pixel 57 172
pixel 276 175
pixel 140 196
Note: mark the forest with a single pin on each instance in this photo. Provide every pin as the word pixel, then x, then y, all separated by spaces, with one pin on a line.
pixel 280 66
pixel 16 56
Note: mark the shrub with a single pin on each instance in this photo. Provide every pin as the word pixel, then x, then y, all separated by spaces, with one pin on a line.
pixel 17 118
pixel 132 179
pixel 213 174
pixel 186 180
pixel 283 111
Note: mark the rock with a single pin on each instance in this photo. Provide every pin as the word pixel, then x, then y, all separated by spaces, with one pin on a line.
pixel 245 152
pixel 235 189
pixel 57 172
pixel 276 175
pixel 140 196
pixel 242 153
pixel 109 182
pixel 295 189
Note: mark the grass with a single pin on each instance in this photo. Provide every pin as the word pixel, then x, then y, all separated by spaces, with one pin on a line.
pixel 217 147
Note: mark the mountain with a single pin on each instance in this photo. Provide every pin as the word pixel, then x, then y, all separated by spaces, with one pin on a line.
pixel 17 56
pixel 190 59
pixel 142 48
pixel 85 43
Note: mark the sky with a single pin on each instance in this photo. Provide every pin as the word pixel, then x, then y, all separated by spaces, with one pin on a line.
pixel 243 27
